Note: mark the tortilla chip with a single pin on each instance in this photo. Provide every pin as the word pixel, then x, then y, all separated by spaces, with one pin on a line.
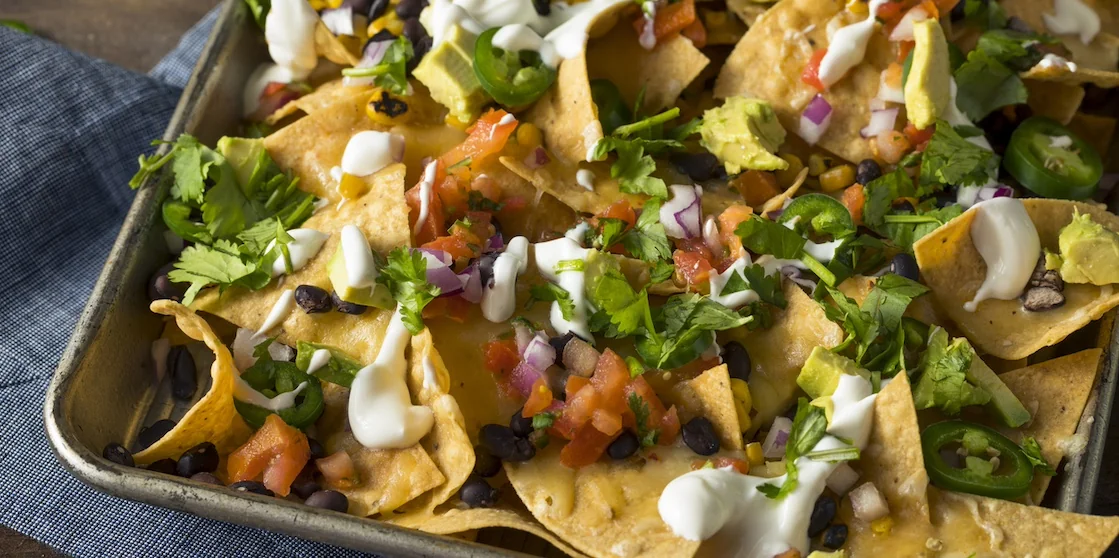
pixel 921 309
pixel 337 49
pixel 559 181
pixel 606 509
pixel 1053 99
pixel 973 524
pixel 708 395
pixel 768 61
pixel 1097 131
pixel 894 462
pixel 213 418
pixel 747 10
pixel 954 270
pixel 1102 53
pixel 566 114
pixel 1063 74
pixel 1055 392
pixel 325 96
pixel 663 72
pixel 778 353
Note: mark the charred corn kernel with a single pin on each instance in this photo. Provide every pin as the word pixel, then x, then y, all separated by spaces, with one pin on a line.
pixel 456 123
pixel 837 178
pixel 388 21
pixel 754 454
pixel 529 135
pixel 388 109
pixel 857 7
pixel 351 187
pixel 818 164
pixel 882 525
pixel 786 177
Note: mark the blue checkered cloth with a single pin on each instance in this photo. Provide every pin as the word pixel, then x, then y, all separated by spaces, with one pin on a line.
pixel 70 130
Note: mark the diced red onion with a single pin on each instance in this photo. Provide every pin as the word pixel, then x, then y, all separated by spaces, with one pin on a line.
pixel 539 353
pixel 682 216
pixel 842 479
pixel 992 192
pixel 880 121
pixel 815 119
pixel 436 257
pixel 774 445
pixel 537 158
pixel 522 378
pixel 795 275
pixel 877 104
pixel 496 243
pixel 471 284
pixel 440 273
pixel 648 37
pixel 523 335
pixel 340 21
pixel 904 29
pixel 373 53
pixel 867 503
pixel 274 101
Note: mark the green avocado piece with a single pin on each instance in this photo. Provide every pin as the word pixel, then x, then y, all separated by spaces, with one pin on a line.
pixel 448 72
pixel 945 382
pixel 743 134
pixel 928 89
pixel 1089 252
pixel 820 374
pixel 243 154
pixel 378 295
pixel 1003 404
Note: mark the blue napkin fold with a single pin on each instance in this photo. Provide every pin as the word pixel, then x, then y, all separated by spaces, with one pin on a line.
pixel 71 128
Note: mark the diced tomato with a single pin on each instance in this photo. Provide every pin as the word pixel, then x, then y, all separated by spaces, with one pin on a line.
pixel 276 451
pixel 539 398
pixel 917 137
pixel 641 388
pixel 891 12
pixel 696 33
pixel 606 421
pixel 453 307
pixel 501 356
pixel 931 8
pixel 453 195
pixel 904 48
pixel 811 74
pixel 585 447
pixel 513 205
pixel 621 210
pixel 692 269
pixel 610 378
pixel 487 138
pixel 854 198
pixel 756 187
pixel 729 220
pixel 488 187
pixel 456 246
pixel 434 224
pixel 574 384
pixel 670 427
pixel 338 470
pixel 669 20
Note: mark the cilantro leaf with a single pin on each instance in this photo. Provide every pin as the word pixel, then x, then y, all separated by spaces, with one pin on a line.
pixel 647 240
pixel 875 337
pixel 551 292
pixel 904 230
pixel 1016 49
pixel 177 217
pixel 640 408
pixel 543 420
pixel 985 84
pixel 880 196
pixel 943 382
pixel 220 264
pixel 809 427
pixel 768 287
pixel 391 74
pixel 608 233
pixel 986 15
pixel 405 274
pixel 259 9
pixel 634 167
pixel 190 180
pixel 1033 452
pixel 624 307
pixel 688 322
pixel 890 297
pixel 662 271
pixel 952 160
pixel 477 202
pixel 762 236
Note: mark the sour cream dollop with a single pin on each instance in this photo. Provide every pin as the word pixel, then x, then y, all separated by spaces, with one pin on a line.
pixel 1006 238
pixel 290 32
pixel 361 268
pixel 548 256
pixel 370 151
pixel 304 245
pixel 499 299
pixel 1073 17
pixel 847 47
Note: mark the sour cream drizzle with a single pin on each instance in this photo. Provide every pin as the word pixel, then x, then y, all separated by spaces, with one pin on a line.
pixel 280 310
pixel 361 268
pixel 380 409
pixel 499 299
pixel 585 178
pixel 706 502
pixel 304 245
pixel 548 256
pixel 319 359
pixel 847 47
pixel 425 196
pixel 718 282
pixel 1006 238
pixel 1073 17
pixel 290 32
pixel 370 151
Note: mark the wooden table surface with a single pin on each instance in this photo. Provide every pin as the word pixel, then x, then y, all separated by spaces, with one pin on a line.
pixel 137 33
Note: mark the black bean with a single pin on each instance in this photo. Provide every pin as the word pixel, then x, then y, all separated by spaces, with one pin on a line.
pixel 202 458
pixel 485 268
pixel 623 446
pixel 822 515
pixel 378 9
pixel 699 435
pixel 499 440
pixel 252 486
pixel 835 536
pixel 408 9
pixel 153 433
pixel 868 170
pixel 946 197
pixel 160 287
pixel 737 360
pixel 305 485
pixel 698 166
pixel 118 454
pixel 312 299
pixel 317 449
pixel 165 466
pixel 207 478
pixel 380 37
pixel 477 493
pixel 414 31
pixel 525 450
pixel 184 379
pixel 486 464
pixel 543 7
pixel 347 307
pixel 905 265
pixel 520 425
pixel 419 50
pixel 329 500
pixel 559 342
pixel 1016 24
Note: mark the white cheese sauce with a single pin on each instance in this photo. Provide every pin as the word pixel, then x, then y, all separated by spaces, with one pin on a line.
pixel 585 178
pixel 1073 17
pixel 380 408
pixel 548 256
pixel 304 245
pixel 727 505
pixel 426 185
pixel 499 300
pixel 290 32
pixel 361 268
pixel 1006 238
pixel 370 151
pixel 280 310
pixel 847 47
pixel 319 359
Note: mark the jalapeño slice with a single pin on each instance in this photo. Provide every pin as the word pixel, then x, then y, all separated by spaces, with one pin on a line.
pixel 995 483
pixel 1051 161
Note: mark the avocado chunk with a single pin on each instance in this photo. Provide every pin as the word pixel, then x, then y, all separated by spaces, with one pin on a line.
pixel 1004 405
pixel 945 383
pixel 448 72
pixel 928 89
pixel 820 374
pixel 1089 252
pixel 743 134
pixel 377 295
pixel 244 155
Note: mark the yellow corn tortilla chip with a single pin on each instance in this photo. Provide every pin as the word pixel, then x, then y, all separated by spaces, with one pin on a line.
pixel 337 49
pixel 778 353
pixel 748 10
pixel 768 61
pixel 607 509
pixel 988 527
pixel 952 267
pixel 1102 53
pixel 664 72
pixel 325 96
pixel 1063 74
pixel 1055 392
pixel 566 113
pixel 893 461
pixel 1054 99
pixel 1097 131
pixel 559 181
pixel 708 395
pixel 213 418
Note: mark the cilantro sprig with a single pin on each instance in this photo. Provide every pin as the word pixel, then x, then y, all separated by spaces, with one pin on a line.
pixel 405 274
pixel 640 409
pixel 551 292
pixel 876 336
pixel 809 427
pixel 949 159
pixel 635 145
pixel 391 74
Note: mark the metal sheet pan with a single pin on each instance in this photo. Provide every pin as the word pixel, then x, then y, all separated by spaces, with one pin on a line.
pixel 102 390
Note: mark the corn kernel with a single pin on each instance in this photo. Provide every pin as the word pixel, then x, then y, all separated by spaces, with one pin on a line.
pixel 818 164
pixel 389 21
pixel 882 525
pixel 387 109
pixel 786 177
pixel 741 391
pixel 743 415
pixel 351 187
pixel 754 454
pixel 837 178
pixel 450 120
pixel 857 7
pixel 529 135
pixel 319 5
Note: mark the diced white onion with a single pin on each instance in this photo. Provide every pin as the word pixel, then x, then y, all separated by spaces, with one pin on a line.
pixel 774 445
pixel 867 503
pixel 880 121
pixel 904 29
pixel 842 479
